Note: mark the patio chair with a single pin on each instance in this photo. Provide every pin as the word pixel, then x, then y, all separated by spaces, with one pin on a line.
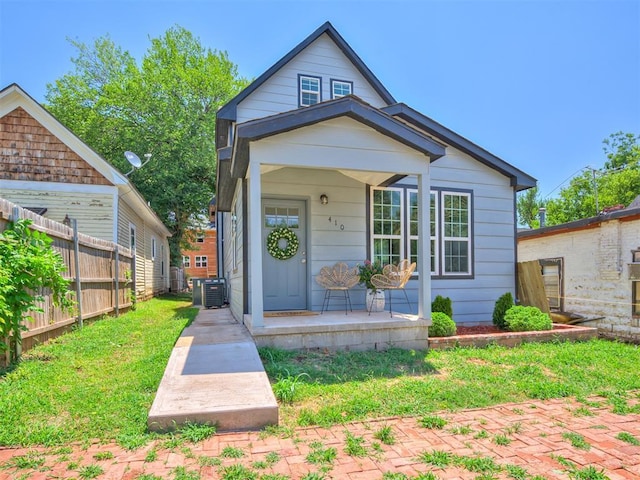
pixel 394 277
pixel 339 278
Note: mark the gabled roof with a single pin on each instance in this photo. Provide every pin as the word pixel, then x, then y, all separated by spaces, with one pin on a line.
pixel 519 179
pixel 234 164
pixel 228 111
pixel 14 96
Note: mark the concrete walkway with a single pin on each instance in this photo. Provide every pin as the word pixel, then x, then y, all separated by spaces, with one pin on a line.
pixel 214 375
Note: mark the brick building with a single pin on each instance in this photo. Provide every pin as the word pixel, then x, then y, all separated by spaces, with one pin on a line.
pixel 201 260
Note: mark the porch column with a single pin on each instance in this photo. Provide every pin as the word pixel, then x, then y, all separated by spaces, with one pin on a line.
pixel 255 244
pixel 424 246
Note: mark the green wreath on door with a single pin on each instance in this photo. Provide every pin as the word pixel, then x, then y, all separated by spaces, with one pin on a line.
pixel 273 243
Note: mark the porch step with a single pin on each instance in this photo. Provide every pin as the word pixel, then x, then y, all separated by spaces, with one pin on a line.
pixel 214 375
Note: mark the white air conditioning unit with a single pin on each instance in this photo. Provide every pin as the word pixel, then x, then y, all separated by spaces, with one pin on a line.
pixel 634 271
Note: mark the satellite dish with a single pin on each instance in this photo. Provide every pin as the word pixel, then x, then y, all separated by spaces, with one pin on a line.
pixel 133 159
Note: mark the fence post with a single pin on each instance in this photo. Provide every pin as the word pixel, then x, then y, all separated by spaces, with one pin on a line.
pixel 117 275
pixel 76 250
pixel 15 346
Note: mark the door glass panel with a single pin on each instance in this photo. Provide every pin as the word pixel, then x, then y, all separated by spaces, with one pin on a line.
pixel 281 217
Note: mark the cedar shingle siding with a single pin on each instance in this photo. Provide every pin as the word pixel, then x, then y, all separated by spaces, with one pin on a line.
pixel 28 151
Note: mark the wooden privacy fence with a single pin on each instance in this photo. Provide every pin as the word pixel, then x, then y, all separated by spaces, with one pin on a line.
pixel 531 290
pixel 99 270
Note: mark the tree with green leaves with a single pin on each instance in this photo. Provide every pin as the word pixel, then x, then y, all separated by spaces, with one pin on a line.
pixel 617 183
pixel 166 106
pixel 528 207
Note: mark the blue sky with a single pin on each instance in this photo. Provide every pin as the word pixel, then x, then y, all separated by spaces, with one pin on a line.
pixel 538 83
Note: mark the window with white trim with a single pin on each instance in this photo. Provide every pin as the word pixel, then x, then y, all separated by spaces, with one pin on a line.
pixel 186 261
pixel 394 229
pixel 387 217
pixel 235 236
pixel 309 90
pixel 412 205
pixel 200 237
pixel 153 248
pixel 456 235
pixel 341 88
pixel 132 237
pixel 201 261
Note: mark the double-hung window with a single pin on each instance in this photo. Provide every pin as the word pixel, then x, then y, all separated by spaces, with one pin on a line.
pixel 456 233
pixel 412 205
pixel 341 88
pixel 309 88
pixel 201 261
pixel 186 261
pixel 388 225
pixel 395 233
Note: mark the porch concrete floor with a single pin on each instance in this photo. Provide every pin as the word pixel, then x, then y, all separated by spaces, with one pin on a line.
pixel 334 330
pixel 215 375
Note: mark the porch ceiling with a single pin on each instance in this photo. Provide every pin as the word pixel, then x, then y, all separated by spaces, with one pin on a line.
pixel 370 178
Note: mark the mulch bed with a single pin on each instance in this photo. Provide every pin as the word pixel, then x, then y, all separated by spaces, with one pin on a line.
pixel 485 329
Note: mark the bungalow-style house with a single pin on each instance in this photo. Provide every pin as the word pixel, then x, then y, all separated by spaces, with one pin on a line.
pixel 46 168
pixel 591 267
pixel 317 144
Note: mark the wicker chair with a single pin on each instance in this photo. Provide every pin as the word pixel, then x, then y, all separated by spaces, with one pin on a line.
pixel 337 278
pixel 394 278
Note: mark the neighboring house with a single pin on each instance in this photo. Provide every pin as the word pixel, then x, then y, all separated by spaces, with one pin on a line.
pixel 46 168
pixel 319 144
pixel 591 267
pixel 201 260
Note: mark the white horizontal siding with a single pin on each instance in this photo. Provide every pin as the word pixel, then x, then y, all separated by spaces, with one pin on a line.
pixel 93 211
pixel 322 58
pixel 149 276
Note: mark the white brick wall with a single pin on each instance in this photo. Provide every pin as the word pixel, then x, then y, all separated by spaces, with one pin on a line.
pixel 596 276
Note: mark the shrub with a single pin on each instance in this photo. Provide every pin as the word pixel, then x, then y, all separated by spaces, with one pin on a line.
pixel 523 319
pixel 504 303
pixel 442 325
pixel 443 305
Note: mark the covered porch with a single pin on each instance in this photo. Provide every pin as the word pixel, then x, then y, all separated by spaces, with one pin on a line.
pixel 333 330
pixel 312 171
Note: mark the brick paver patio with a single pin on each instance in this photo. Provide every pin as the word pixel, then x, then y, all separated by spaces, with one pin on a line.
pixel 536 436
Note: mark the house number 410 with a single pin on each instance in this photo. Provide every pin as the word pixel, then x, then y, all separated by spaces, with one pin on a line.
pixel 335 222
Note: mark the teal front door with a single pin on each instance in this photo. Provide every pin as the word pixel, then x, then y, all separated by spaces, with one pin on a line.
pixel 284 281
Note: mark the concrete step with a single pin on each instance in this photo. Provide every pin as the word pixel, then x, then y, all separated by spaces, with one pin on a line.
pixel 214 375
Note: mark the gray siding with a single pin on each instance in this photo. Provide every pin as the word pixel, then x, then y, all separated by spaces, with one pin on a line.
pixel 493 241
pixel 234 273
pixel 327 242
pixel 322 58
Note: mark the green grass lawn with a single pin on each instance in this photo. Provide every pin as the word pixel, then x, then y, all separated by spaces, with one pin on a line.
pixel 338 387
pixel 99 382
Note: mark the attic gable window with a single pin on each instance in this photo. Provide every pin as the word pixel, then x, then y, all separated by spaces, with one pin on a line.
pixel 341 88
pixel 309 90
